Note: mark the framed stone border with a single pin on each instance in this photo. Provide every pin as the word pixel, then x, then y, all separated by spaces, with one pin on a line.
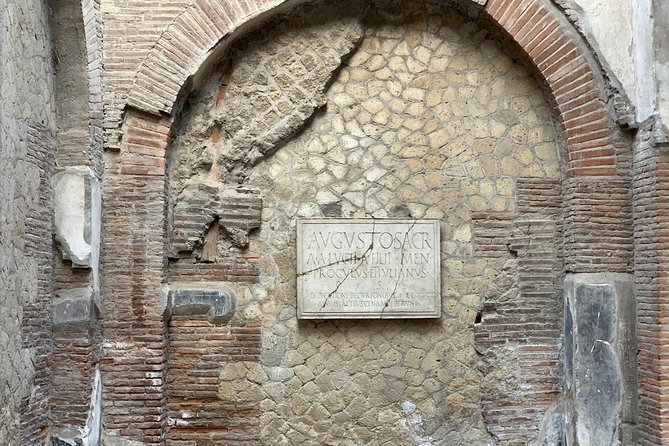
pixel 368 269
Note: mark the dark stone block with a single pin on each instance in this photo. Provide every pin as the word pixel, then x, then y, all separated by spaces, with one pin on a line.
pixel 331 210
pixel 597 380
pixel 218 305
pixel 599 375
pixel 58 442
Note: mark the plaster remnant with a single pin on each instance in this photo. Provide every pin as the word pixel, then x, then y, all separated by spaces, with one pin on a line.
pixel 75 189
pixel 416 424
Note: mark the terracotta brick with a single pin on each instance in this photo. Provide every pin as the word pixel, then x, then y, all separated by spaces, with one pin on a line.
pixel 557 60
pixel 557 64
pixel 512 14
pixel 548 47
pixel 527 17
pixel 586 96
pixel 212 10
pixel 593 153
pixel 537 23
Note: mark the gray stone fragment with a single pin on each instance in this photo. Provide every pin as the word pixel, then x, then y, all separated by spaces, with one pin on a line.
pixel 332 210
pixel 55 441
pixel 273 356
pixel 76 305
pixel 599 330
pixel 553 430
pixel 219 306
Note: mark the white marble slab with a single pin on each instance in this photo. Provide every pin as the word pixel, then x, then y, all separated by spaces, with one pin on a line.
pixel 368 269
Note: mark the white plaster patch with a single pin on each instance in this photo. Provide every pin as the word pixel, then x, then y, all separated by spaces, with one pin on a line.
pixel 72 219
pixel 416 424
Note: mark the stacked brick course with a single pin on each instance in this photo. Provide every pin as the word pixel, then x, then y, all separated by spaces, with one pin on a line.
pixel 76 354
pixel 92 19
pixel 134 329
pixel 524 320
pixel 36 320
pixel 197 412
pixel 594 208
pixel 651 165
pixel 242 269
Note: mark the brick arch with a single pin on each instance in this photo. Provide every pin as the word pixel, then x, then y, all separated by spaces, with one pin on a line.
pixel 134 246
pixel 555 49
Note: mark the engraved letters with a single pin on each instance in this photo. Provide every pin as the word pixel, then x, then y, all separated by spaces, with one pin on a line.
pixel 366 269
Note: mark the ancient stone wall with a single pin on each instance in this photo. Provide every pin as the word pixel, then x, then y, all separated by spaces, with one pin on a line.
pixel 74 413
pixel 426 118
pixel 27 149
pixel 335 109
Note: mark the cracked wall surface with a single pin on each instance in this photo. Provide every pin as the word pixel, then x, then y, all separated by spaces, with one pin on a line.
pixel 427 118
pixel 270 85
pixel 298 128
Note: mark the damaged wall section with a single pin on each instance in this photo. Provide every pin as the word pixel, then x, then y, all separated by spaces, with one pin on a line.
pixel 426 118
pixel 77 224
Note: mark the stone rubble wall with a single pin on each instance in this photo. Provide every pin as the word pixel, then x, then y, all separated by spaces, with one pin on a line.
pixel 352 140
pixel 428 118
pixel 27 146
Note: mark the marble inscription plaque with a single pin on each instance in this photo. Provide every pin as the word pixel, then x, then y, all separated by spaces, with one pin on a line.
pixel 368 269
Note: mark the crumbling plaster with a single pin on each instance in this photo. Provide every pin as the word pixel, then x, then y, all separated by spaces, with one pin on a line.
pixel 76 222
pixel 633 44
pixel 661 57
pixel 609 27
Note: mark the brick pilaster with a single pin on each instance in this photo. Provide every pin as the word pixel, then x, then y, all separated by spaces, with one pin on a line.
pixel 651 231
pixel 134 328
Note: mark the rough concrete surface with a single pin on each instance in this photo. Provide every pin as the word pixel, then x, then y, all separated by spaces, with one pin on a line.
pixel 661 56
pixel 610 27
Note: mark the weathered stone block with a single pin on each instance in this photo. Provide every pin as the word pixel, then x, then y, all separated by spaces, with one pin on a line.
pixel 600 352
pixel 219 306
pixel 76 305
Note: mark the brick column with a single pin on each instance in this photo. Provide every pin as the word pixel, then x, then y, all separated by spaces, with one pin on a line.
pixel 133 259
pixel 651 228
pixel 36 318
